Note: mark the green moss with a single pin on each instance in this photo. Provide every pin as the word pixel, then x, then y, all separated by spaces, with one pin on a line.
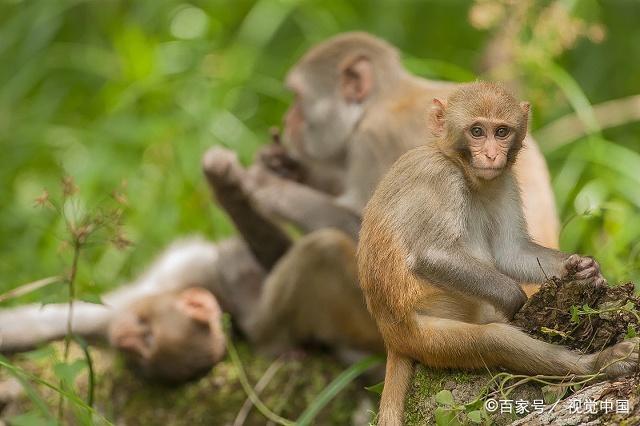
pixel 465 387
pixel 428 382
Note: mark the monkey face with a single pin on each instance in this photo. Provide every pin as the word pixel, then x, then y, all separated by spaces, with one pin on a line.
pixel 481 125
pixel 489 143
pixel 326 108
pixel 171 337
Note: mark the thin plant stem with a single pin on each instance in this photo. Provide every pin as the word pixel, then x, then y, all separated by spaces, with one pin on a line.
pixel 251 394
pixel 77 245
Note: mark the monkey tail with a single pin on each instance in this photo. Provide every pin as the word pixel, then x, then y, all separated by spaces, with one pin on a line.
pixel 398 374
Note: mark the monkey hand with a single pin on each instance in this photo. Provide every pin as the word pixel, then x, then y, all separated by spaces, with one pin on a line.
pixel 275 158
pixel 584 269
pixel 514 300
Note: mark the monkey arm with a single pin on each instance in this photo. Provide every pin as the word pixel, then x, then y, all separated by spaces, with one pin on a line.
pixel 24 327
pixel 454 269
pixel 184 264
pixel 531 262
pixel 304 207
pixel 535 263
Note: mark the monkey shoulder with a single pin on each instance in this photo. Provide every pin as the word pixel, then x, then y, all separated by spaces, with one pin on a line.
pixel 427 173
pixel 423 190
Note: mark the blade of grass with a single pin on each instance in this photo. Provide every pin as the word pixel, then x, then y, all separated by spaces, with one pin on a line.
pixel 14 370
pixel 576 97
pixel 29 287
pixel 339 383
pixel 244 381
pixel 31 392
pixel 91 373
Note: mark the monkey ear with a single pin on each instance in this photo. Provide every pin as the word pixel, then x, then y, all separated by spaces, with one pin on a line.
pixel 199 305
pixel 436 116
pixel 356 79
pixel 526 107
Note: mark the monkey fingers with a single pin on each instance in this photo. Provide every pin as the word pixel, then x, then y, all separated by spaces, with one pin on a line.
pixel 275 158
pixel 585 269
pixel 618 360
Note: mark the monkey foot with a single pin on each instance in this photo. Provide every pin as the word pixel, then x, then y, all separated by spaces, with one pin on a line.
pixel 620 359
pixel 222 168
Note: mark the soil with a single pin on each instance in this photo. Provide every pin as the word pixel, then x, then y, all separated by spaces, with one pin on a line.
pixel 579 315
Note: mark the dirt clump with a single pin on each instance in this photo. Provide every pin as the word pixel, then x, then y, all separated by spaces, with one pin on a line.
pixel 579 315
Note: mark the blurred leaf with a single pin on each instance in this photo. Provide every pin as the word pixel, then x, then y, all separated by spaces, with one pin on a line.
pixel 45 352
pixel 444 397
pixel 377 388
pixel 67 372
pixel 475 416
pixel 445 417
pixel 92 298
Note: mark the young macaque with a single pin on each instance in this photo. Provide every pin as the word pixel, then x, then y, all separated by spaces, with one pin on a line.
pixel 443 250
pixel 168 325
pixel 167 322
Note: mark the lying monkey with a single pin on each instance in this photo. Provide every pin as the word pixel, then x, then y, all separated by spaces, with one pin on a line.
pixel 168 322
pixel 443 248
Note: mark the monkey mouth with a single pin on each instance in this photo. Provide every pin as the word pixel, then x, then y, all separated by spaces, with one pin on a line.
pixel 488 172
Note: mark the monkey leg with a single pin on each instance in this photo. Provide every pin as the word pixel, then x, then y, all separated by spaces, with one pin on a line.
pixel 530 288
pixel 225 175
pixel 445 343
pixel 397 377
pixel 312 296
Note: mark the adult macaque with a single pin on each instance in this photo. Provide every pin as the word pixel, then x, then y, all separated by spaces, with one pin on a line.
pixel 168 322
pixel 443 248
pixel 356 110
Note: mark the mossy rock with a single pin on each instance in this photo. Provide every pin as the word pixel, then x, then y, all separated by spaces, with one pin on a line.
pixel 464 386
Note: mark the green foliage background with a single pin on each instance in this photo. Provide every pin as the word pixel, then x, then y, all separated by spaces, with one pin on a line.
pixel 120 92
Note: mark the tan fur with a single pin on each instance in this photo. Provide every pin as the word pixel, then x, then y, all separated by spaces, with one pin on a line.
pixel 431 219
pixel 312 296
pixel 392 121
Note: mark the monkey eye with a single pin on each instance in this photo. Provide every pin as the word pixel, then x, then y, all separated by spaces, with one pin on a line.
pixel 476 131
pixel 502 132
